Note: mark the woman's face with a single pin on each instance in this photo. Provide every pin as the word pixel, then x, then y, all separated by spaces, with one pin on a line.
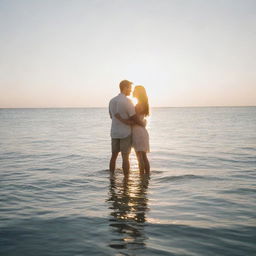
pixel 135 93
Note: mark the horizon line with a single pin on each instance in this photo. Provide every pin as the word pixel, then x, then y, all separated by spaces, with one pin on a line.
pixel 217 106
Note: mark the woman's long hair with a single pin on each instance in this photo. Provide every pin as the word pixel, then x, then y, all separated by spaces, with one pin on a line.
pixel 141 94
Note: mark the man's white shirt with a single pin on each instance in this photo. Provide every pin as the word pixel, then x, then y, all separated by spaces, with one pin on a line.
pixel 122 105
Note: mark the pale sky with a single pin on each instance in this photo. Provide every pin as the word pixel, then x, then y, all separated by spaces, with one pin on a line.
pixel 74 53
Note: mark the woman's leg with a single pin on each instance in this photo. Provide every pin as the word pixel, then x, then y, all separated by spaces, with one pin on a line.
pixel 146 162
pixel 140 161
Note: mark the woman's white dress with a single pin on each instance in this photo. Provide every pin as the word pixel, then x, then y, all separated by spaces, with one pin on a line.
pixel 140 137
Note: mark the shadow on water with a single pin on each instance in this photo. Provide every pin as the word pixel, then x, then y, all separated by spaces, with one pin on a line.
pixel 128 204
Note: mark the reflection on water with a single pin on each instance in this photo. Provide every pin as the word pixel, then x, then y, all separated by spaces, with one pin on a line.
pixel 128 204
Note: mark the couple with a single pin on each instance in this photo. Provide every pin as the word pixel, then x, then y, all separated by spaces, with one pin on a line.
pixel 128 127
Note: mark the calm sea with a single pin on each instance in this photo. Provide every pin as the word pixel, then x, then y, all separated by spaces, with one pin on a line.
pixel 56 196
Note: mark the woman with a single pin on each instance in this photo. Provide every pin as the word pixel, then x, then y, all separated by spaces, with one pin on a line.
pixel 140 137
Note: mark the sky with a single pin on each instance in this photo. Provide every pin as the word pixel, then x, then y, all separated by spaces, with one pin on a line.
pixel 74 53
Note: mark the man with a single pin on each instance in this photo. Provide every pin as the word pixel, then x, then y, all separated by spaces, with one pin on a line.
pixel 121 134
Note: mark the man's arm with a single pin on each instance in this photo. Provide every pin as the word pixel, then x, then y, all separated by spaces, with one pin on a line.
pixel 125 121
pixel 109 113
pixel 131 121
pixel 110 108
pixel 136 120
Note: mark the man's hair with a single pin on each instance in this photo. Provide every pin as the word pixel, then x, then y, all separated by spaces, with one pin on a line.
pixel 123 84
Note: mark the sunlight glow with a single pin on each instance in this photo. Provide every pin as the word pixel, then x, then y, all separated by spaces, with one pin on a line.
pixel 134 100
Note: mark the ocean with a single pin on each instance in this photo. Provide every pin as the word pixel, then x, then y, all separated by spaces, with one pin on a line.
pixel 57 197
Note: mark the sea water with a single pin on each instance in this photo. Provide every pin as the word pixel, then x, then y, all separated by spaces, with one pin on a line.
pixel 57 197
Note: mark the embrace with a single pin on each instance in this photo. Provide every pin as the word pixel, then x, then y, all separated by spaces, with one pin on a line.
pixel 128 127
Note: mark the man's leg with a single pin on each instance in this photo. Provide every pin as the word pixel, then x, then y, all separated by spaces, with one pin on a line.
pixel 112 163
pixel 126 163
pixel 125 148
pixel 115 148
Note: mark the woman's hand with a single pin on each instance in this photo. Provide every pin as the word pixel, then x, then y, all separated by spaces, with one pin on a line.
pixel 117 116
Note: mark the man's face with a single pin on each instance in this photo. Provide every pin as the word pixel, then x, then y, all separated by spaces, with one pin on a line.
pixel 128 90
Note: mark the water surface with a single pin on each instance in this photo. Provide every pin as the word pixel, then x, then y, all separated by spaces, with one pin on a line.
pixel 56 196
